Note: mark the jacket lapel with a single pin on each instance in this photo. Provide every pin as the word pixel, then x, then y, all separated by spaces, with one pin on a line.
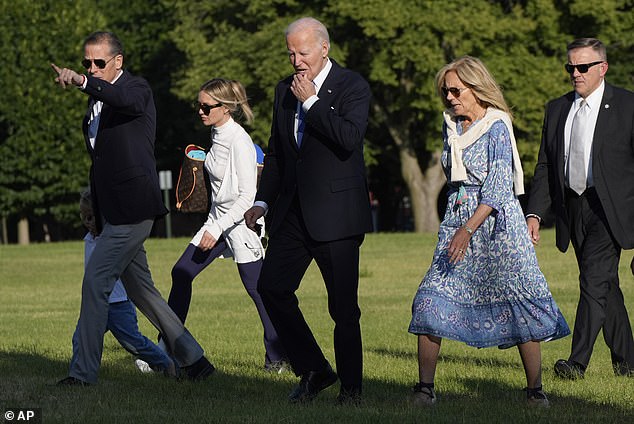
pixel 289 106
pixel 602 122
pixel 105 110
pixel 326 93
pixel 84 124
pixel 561 137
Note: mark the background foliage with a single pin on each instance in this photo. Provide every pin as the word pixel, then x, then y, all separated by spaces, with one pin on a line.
pixel 398 45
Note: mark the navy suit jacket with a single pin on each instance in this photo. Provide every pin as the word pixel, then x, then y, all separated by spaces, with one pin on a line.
pixel 327 172
pixel 123 174
pixel 612 165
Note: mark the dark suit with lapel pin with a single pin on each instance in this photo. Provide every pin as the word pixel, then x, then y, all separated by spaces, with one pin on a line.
pixel 318 209
pixel 599 223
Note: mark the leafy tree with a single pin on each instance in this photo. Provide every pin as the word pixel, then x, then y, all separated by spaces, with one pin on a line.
pixel 43 162
pixel 398 45
pixel 144 28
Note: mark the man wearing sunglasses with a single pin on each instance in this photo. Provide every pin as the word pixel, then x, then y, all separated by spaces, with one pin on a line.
pixel 585 175
pixel 119 130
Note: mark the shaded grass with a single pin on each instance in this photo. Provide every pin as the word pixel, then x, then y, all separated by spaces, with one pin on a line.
pixel 40 293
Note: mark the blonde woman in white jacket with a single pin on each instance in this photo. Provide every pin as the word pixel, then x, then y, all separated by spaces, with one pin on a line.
pixel 231 168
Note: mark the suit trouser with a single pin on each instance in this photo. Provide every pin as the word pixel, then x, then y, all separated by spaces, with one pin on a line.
pixel 122 323
pixel 601 304
pixel 289 253
pixel 118 253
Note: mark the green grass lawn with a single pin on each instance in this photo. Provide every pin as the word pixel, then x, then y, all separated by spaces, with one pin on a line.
pixel 40 297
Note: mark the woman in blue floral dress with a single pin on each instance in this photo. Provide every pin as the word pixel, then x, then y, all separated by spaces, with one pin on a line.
pixel 484 286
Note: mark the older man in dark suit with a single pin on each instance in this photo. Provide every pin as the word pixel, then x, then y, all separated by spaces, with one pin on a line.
pixel 314 187
pixel 119 129
pixel 585 173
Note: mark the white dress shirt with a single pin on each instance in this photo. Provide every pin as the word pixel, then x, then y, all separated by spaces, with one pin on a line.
pixel 594 103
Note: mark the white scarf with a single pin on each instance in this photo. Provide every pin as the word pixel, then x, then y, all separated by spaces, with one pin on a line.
pixel 458 143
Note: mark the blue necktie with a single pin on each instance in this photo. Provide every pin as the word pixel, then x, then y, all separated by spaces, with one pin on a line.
pixel 301 123
pixel 93 123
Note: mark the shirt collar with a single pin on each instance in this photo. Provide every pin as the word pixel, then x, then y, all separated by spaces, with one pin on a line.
pixel 118 76
pixel 321 77
pixel 594 99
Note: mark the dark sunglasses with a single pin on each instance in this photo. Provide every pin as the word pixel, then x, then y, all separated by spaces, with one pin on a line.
pixel 581 67
pixel 455 91
pixel 99 63
pixel 205 108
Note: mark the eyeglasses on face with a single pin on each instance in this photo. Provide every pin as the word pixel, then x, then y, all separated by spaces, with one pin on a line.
pixel 99 63
pixel 581 67
pixel 205 108
pixel 455 91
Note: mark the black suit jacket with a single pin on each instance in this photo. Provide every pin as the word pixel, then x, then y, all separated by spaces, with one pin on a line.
pixel 328 171
pixel 123 174
pixel 612 165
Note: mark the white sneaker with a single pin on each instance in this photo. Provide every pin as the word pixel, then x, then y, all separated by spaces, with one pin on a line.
pixel 143 366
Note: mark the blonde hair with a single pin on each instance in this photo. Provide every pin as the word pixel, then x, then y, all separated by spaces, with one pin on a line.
pixel 473 74
pixel 232 95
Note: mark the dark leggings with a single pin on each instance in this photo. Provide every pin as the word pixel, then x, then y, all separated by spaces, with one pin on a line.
pixel 192 262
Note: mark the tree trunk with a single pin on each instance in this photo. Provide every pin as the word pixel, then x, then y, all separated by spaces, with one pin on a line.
pixel 424 188
pixel 23 231
pixel 5 236
pixel 423 185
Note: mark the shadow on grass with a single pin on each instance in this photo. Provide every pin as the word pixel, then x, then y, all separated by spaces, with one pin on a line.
pixel 244 393
pixel 448 357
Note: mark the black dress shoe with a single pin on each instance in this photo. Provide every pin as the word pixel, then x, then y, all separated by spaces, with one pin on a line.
pixel 349 397
pixel 623 369
pixel 199 370
pixel 72 381
pixel 311 384
pixel 569 370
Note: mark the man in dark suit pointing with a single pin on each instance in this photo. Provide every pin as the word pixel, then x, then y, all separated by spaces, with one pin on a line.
pixel 119 130
pixel 314 191
pixel 585 173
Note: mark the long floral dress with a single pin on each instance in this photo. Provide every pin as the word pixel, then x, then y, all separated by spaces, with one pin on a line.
pixel 496 295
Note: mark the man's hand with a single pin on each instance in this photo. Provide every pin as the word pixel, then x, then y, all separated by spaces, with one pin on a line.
pixel 251 217
pixel 302 87
pixel 66 77
pixel 533 228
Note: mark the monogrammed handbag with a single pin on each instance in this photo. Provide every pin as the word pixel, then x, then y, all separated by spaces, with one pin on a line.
pixel 191 189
